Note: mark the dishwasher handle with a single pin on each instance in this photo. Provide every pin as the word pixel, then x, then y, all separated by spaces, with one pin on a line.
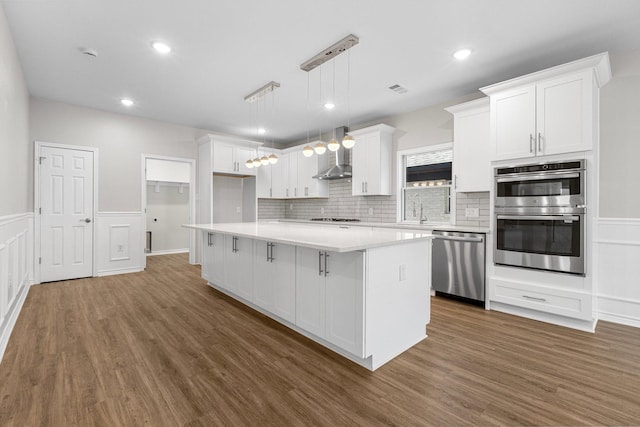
pixel 459 239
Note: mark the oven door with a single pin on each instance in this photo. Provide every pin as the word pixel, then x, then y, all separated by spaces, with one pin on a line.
pixel 541 189
pixel 546 242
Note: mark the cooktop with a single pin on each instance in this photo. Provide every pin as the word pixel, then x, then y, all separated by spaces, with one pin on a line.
pixel 336 219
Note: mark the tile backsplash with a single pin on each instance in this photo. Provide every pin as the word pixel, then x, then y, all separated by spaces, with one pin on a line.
pixel 341 204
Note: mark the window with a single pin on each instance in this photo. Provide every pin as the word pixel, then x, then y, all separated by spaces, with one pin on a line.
pixel 425 184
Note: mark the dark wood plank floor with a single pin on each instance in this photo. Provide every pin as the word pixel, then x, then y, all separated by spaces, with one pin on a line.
pixel 162 348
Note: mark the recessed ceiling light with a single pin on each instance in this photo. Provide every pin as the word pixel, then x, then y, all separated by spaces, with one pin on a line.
pixel 161 47
pixel 262 131
pixel 126 102
pixel 462 54
pixel 329 105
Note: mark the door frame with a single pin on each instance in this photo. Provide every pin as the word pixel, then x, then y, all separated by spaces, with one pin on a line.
pixel 192 201
pixel 36 202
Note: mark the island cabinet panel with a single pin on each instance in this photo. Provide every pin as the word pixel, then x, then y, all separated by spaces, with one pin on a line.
pixel 274 278
pixel 329 297
pixel 213 257
pixel 238 266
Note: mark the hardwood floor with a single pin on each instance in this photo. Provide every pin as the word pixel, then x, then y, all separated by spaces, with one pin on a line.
pixel 162 348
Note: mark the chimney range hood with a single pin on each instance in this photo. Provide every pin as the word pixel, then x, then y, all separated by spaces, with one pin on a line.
pixel 342 168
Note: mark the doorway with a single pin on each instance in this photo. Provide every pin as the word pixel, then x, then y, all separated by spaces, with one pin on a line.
pixel 65 194
pixel 168 201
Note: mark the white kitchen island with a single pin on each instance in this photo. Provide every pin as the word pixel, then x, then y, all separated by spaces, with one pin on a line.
pixel 362 292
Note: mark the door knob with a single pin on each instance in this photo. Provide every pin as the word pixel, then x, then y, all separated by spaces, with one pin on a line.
pixel 87 220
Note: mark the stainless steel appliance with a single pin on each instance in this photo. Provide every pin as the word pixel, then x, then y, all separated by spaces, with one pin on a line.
pixel 458 265
pixel 540 216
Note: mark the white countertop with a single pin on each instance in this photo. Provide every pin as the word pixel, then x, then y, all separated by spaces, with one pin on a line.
pixel 421 228
pixel 337 238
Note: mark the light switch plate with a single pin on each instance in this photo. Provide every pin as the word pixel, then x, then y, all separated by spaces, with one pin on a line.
pixel 370 211
pixel 472 212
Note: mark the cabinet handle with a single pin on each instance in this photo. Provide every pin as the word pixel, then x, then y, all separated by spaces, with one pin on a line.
pixel 455 182
pixel 539 142
pixel 534 298
pixel 271 254
pixel 234 244
pixel 287 192
pixel 362 185
pixel 326 264
pixel 531 143
pixel 268 248
pixel 306 191
pixel 271 192
pixel 209 241
pixel 320 255
pixel 295 192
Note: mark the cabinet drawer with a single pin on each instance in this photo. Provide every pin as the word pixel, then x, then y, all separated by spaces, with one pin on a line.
pixel 548 300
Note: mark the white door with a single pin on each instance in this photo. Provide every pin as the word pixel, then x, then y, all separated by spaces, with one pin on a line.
pixel 66 223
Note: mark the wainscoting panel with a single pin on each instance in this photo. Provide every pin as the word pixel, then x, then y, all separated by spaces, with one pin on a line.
pixel 617 243
pixel 120 244
pixel 16 270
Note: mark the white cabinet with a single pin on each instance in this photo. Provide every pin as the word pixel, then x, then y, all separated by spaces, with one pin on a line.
pixel 274 281
pixel 471 146
pixel 549 112
pixel 231 158
pixel 329 297
pixel 371 161
pixel 238 266
pixel 307 186
pixel 213 258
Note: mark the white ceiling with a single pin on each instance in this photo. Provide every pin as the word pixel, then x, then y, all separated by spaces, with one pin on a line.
pixel 224 50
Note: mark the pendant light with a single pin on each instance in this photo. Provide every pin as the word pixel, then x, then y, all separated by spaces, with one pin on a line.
pixel 273 159
pixel 348 141
pixel 307 151
pixel 252 98
pixel 333 144
pixel 320 148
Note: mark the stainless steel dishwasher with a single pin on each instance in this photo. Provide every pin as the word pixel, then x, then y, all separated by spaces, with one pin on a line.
pixel 458 265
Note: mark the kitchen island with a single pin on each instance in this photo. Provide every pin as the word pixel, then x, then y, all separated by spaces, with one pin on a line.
pixel 362 292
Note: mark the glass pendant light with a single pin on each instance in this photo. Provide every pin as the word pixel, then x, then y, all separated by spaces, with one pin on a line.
pixel 307 151
pixel 264 160
pixel 273 159
pixel 333 145
pixel 348 141
pixel 320 148
pixel 256 163
pixel 249 164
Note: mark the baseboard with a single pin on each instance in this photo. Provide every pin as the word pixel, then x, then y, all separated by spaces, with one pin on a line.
pixel 169 252
pixel 619 310
pixel 10 320
pixel 115 271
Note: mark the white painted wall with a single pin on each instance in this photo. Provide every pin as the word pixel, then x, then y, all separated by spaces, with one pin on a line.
pixel 167 210
pixel 16 173
pixel 620 138
pixel 121 140
pixel 227 199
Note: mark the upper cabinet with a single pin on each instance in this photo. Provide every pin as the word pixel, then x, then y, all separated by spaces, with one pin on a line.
pixel 231 157
pixel 307 168
pixel 471 146
pixel 549 112
pixel 371 161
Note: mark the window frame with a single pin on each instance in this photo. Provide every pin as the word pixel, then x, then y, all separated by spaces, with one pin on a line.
pixel 401 184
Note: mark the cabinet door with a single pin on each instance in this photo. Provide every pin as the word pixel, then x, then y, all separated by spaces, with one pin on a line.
pixel 223 158
pixel 284 281
pixel 310 291
pixel 344 309
pixel 513 123
pixel 471 154
pixel 216 273
pixel 238 266
pixel 359 165
pixel 263 280
pixel 207 255
pixel 564 114
pixel 264 179
pixel 292 186
pixel 242 154
pixel 278 180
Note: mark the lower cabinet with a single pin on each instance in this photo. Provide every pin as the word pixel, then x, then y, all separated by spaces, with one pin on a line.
pixel 329 297
pixel 274 281
pixel 238 266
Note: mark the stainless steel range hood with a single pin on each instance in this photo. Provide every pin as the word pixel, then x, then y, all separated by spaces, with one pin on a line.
pixel 342 168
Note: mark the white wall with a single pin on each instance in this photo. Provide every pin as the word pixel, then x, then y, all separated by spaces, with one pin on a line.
pixel 620 138
pixel 121 141
pixel 167 210
pixel 16 179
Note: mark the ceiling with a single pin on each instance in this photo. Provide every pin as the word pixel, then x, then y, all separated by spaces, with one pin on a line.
pixel 224 50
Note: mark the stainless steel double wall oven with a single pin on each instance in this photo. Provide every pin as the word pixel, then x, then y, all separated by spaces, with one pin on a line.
pixel 540 216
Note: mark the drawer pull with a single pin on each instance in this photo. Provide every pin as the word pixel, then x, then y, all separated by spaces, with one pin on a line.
pixel 534 298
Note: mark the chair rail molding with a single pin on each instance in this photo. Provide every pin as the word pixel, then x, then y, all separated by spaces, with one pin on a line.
pixel 617 251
